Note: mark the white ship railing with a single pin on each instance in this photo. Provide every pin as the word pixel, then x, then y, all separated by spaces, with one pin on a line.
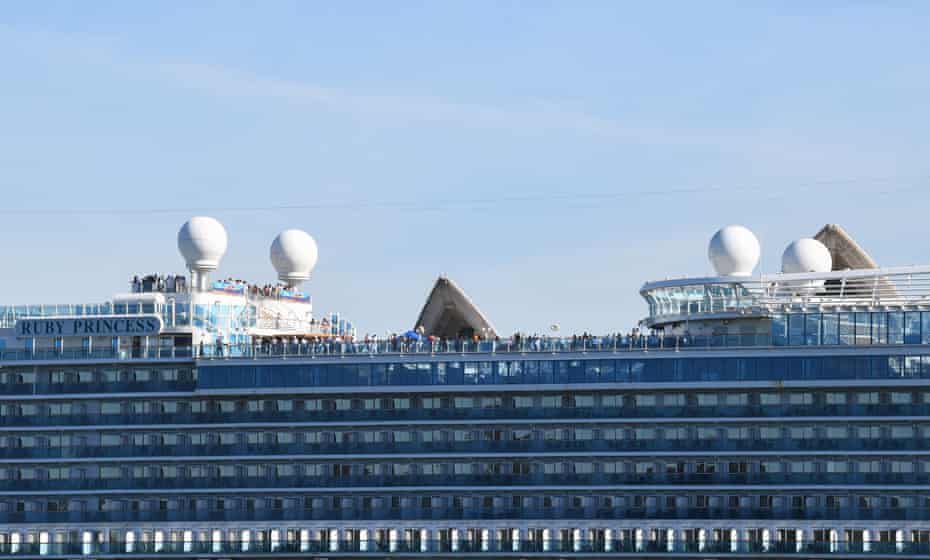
pixel 866 288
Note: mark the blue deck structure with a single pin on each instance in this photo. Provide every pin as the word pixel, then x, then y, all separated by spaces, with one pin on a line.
pixel 772 416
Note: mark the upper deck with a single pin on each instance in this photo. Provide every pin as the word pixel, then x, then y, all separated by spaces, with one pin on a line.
pixel 723 297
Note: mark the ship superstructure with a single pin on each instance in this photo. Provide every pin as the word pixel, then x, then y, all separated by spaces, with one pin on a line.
pixel 751 415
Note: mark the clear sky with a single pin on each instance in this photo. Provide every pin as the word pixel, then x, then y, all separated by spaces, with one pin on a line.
pixel 548 156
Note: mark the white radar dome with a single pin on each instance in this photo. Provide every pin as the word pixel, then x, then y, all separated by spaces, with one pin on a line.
pixel 806 255
pixel 293 255
pixel 202 242
pixel 734 251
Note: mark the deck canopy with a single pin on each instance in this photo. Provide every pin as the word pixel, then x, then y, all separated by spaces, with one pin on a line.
pixel 450 313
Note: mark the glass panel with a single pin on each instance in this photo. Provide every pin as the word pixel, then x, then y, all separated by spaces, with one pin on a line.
pixel 779 330
pixel 796 329
pixel 847 328
pixel 830 326
pixel 812 329
pixel 912 327
pixel 863 329
pixel 879 328
pixel 895 327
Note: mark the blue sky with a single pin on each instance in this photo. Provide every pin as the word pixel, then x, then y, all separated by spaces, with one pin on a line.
pixel 548 156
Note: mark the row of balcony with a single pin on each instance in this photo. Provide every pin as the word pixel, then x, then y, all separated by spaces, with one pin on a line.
pixel 614 414
pixel 529 481
pixel 433 546
pixel 640 447
pixel 465 514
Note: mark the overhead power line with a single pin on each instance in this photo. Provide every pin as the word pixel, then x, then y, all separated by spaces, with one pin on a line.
pixel 465 202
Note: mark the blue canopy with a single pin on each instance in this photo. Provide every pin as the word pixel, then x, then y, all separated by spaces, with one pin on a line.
pixel 413 335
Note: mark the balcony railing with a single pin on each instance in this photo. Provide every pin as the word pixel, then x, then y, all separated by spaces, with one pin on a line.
pixel 487 478
pixel 693 297
pixel 172 353
pixel 642 447
pixel 296 514
pixel 560 547
pixel 400 347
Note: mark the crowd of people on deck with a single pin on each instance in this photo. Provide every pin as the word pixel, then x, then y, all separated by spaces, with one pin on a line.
pixel 169 283
pixel 529 342
pixel 412 341
pixel 255 290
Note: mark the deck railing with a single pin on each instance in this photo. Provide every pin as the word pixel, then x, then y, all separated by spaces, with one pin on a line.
pixel 316 547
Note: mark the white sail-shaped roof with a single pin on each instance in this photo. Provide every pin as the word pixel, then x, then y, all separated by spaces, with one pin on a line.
pixel 450 313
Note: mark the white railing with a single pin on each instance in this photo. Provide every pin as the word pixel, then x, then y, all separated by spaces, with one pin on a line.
pixel 902 286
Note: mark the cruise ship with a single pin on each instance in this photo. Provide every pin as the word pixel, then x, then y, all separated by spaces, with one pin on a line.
pixel 749 415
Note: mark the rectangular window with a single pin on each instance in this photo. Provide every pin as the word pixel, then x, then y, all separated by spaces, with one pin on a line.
pixel 703 467
pixel 769 399
pixel 431 469
pixel 676 434
pixel 110 407
pixel 110 473
pixel 707 433
pixel 737 399
pixel 902 432
pixel 584 434
pixel 613 467
pixel 769 432
pixel 869 432
pixel 837 432
pixel 644 434
pixel 548 401
pixel 801 432
pixel 770 467
pixel 403 436
pixel 522 402
pixel 583 468
pixel 584 401
pixel 739 433
pixel 463 402
pixel 430 403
